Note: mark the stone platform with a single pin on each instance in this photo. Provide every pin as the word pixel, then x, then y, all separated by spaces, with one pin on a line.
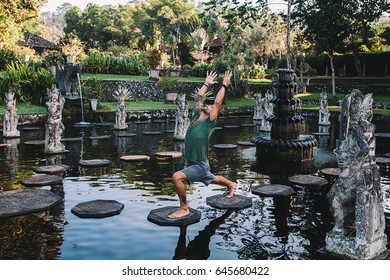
pixel 97 209
pixel 160 217
pixel 273 190
pixel 25 201
pixel 237 202
pixel 41 180
pixel 308 180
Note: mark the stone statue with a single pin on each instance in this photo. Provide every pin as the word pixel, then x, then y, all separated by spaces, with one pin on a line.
pixel 323 116
pixel 267 112
pixel 54 125
pixel 10 120
pixel 356 196
pixel 258 110
pixel 182 117
pixel 120 116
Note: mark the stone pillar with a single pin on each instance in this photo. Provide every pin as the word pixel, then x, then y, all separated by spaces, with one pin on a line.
pixel 356 197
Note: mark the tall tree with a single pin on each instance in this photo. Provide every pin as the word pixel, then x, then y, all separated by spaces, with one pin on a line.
pixel 325 23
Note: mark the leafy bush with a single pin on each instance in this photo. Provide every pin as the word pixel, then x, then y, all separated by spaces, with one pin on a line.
pixel 6 57
pixel 200 70
pixel 170 84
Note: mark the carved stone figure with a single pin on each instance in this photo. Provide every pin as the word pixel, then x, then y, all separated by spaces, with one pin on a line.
pixel 323 116
pixel 10 120
pixel 356 197
pixel 267 112
pixel 120 116
pixel 68 79
pixel 54 125
pixel 258 110
pixel 182 118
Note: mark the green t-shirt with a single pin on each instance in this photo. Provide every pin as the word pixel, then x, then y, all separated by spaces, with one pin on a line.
pixel 197 139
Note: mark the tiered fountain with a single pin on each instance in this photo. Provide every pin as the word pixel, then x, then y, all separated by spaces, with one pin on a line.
pixel 285 143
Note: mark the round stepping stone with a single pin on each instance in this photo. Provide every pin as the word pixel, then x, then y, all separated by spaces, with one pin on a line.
pixel 220 201
pixel 42 180
pixel 225 146
pixel 231 126
pixel 159 121
pixel 103 124
pixel 170 131
pixel 94 162
pixel 141 122
pixel 127 135
pixel 331 171
pixel 384 135
pixel 135 158
pixel 247 124
pixel 97 209
pixel 246 143
pixel 35 142
pixel 51 169
pixel 74 139
pixel 5 145
pixel 100 137
pixel 383 160
pixel 151 133
pixel 31 128
pixel 308 180
pixel 273 190
pixel 387 155
pixel 218 128
pixel 25 201
pixel 169 154
pixel 160 217
pixel 321 133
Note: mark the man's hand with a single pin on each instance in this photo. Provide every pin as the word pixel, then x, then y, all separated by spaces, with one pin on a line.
pixel 226 78
pixel 210 78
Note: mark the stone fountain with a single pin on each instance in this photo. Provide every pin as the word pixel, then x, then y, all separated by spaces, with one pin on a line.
pixel 10 120
pixel 285 142
pixel 182 120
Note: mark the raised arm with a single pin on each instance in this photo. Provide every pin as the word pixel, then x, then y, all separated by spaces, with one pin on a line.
pixel 220 95
pixel 210 80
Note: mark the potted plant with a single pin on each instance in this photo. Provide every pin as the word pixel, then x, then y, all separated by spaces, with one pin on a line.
pixel 72 50
pixel 154 60
pixel 171 87
pixel 93 89
pixel 51 57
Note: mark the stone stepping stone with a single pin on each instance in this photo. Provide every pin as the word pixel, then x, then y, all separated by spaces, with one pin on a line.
pixel 321 133
pixel 5 145
pixel 247 124
pixel 160 217
pixel 387 155
pixel 141 122
pixel 308 180
pixel 170 131
pixel 169 154
pixel 26 201
pixel 103 124
pixel 331 171
pixel 51 169
pixel 74 139
pixel 30 128
pixel 42 180
pixel 237 202
pixel 151 133
pixel 100 137
pixel 225 146
pixel 218 128
pixel 273 190
pixel 159 121
pixel 384 135
pixel 127 135
pixel 35 142
pixel 246 143
pixel 231 126
pixel 383 160
pixel 135 158
pixel 94 162
pixel 97 209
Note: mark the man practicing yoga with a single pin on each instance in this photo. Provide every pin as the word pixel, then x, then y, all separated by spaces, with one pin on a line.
pixel 202 125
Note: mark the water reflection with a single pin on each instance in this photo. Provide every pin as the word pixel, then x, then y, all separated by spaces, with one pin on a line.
pixel 290 228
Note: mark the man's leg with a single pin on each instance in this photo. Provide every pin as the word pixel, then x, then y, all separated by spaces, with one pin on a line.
pixel 178 179
pixel 220 180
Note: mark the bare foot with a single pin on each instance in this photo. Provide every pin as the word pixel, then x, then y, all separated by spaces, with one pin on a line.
pixel 232 187
pixel 179 213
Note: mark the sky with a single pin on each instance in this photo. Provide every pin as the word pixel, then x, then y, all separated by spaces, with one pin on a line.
pixel 52 5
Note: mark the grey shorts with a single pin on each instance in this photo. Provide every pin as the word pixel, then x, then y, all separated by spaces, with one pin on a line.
pixel 199 172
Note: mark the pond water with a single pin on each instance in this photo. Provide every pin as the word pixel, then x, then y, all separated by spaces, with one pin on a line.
pixel 292 228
